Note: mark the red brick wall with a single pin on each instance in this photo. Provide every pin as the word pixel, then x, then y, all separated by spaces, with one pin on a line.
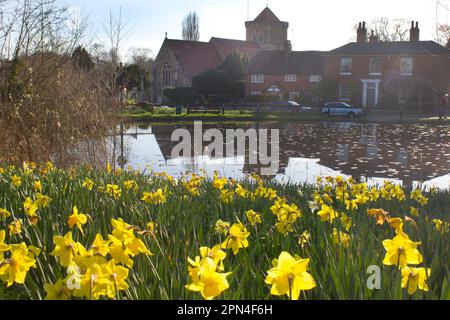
pixel 302 84
pixel 435 69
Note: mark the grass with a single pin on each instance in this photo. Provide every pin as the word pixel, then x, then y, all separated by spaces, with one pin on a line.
pixel 169 115
pixel 186 222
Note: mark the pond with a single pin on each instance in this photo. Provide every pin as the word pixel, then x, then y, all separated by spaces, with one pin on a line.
pixel 411 155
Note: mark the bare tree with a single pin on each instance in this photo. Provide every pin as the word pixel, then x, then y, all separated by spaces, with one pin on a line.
pixel 191 27
pixel 46 104
pixel 389 30
pixel 443 34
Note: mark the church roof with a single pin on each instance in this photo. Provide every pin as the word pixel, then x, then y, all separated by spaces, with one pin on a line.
pixel 194 56
pixel 267 15
pixel 226 47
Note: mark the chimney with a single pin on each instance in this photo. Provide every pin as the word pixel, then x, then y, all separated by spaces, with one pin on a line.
pixel 361 33
pixel 373 37
pixel 414 33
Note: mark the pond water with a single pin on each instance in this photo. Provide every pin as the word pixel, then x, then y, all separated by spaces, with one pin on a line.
pixel 412 155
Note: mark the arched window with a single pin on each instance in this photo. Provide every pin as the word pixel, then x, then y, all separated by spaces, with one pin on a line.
pixel 166 75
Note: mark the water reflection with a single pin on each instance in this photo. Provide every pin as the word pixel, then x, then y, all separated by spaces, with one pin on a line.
pixel 408 155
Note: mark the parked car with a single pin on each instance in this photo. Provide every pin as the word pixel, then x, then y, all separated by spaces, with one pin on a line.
pixel 290 104
pixel 284 104
pixel 342 109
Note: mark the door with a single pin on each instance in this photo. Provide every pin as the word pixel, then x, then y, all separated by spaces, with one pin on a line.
pixel 371 94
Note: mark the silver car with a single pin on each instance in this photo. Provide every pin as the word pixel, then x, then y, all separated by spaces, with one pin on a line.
pixel 342 109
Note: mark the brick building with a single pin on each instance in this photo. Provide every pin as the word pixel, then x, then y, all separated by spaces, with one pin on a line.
pixel 367 72
pixel 290 74
pixel 372 73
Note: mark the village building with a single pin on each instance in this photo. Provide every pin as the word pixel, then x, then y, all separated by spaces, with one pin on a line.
pixel 373 73
pixel 367 72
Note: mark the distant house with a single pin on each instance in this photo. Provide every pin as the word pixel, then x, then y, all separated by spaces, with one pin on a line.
pixel 289 74
pixel 372 73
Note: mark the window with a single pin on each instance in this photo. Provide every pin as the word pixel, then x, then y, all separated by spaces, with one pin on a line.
pixel 261 38
pixel 402 94
pixel 375 66
pixel 255 93
pixel 294 95
pixel 255 37
pixel 290 78
pixel 346 66
pixel 315 78
pixel 406 66
pixel 166 75
pixel 257 78
pixel 345 92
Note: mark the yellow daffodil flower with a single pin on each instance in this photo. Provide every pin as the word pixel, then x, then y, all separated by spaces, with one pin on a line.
pixel 14 269
pixel 77 219
pixel 57 291
pixel 289 276
pixel 401 251
pixel 65 249
pixel 415 278
pixel 237 238
pixel 253 217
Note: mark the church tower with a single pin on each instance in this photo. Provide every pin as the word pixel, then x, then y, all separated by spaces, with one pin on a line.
pixel 270 32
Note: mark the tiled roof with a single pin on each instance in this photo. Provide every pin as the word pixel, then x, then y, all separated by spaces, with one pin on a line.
pixel 267 15
pixel 195 56
pixel 227 46
pixel 391 48
pixel 286 62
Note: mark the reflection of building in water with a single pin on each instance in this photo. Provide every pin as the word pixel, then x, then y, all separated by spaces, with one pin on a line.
pixel 379 151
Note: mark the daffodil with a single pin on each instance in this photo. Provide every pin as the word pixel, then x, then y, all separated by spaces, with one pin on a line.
pixel 222 227
pixel 216 254
pixel 88 184
pixel 57 291
pixel 100 246
pixel 77 219
pixel 42 201
pixel 131 185
pixel 15 227
pixel 93 284
pixel 220 183
pixel 30 207
pixel 65 249
pixel 119 252
pixel 117 276
pixel 289 276
pixel 206 280
pixel 113 191
pixel 253 217
pixel 415 278
pixel 380 215
pixel 304 238
pixel 3 246
pixel 341 238
pixel 16 181
pixel 237 238
pixel 327 213
pixel 37 186
pixel 227 196
pixel 4 214
pixel 14 269
pixel 155 198
pixel 401 251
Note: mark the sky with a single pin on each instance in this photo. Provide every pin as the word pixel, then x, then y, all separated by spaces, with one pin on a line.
pixel 314 24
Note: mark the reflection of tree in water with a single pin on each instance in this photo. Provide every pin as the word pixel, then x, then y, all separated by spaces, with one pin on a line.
pixel 414 152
